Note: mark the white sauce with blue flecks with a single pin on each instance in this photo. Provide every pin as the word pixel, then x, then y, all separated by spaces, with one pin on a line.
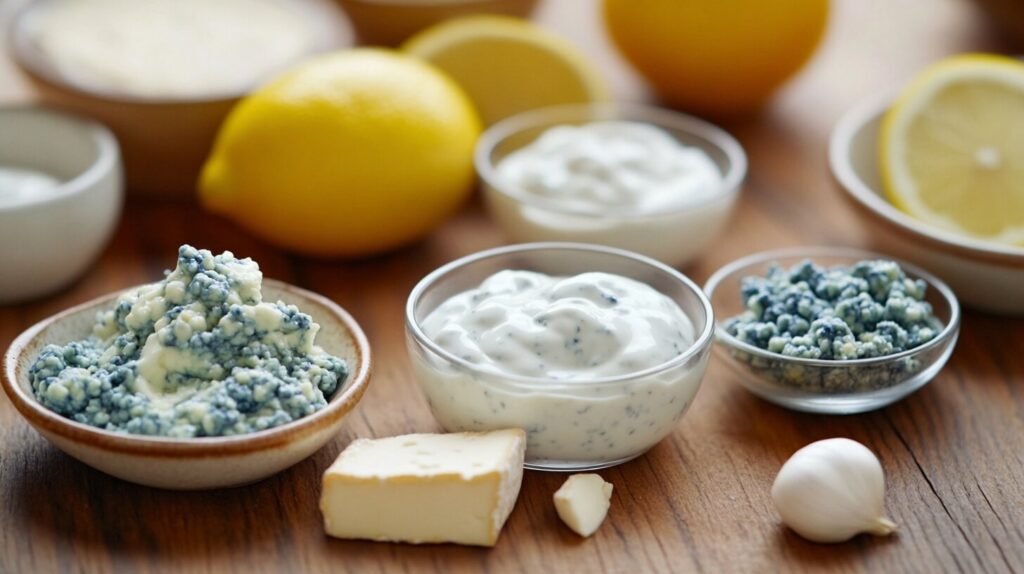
pixel 588 326
pixel 563 333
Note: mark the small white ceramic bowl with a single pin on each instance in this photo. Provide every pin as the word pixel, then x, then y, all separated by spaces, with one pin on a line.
pixel 197 463
pixel 49 239
pixel 570 426
pixel 984 275
pixel 673 236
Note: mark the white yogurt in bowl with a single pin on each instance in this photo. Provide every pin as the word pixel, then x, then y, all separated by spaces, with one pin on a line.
pixel 649 180
pixel 18 184
pixel 609 166
pixel 575 344
pixel 60 199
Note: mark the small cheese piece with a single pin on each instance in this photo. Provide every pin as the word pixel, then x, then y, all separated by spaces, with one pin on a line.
pixel 424 488
pixel 583 501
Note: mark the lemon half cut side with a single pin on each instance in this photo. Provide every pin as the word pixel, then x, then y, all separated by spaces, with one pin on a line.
pixel 508 65
pixel 952 148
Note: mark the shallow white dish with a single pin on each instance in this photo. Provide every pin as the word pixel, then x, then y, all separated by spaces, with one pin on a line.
pixel 984 275
pixel 674 236
pixel 47 241
pixel 197 463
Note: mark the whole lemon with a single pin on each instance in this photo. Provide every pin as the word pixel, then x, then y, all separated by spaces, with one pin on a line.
pixel 350 154
pixel 719 57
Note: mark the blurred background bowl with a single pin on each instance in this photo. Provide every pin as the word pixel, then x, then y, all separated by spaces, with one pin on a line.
pixel 46 242
pixel 390 22
pixel 1007 15
pixel 988 276
pixel 164 141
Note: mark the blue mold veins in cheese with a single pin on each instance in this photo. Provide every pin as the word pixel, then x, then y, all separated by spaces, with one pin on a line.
pixel 870 309
pixel 197 354
pixel 867 310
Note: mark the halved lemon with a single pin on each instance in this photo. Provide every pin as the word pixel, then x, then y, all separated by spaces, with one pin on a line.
pixel 507 65
pixel 952 147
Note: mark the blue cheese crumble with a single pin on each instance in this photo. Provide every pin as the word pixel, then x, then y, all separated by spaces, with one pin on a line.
pixel 867 310
pixel 198 354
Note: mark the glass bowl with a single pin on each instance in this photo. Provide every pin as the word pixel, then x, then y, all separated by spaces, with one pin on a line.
pixel 674 236
pixel 829 386
pixel 575 425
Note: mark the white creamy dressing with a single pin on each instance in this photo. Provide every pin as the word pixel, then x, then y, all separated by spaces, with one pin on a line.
pixel 611 167
pixel 570 331
pixel 19 184
pixel 169 48
pixel 592 325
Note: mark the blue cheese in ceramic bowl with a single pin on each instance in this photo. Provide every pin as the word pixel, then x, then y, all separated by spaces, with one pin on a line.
pixel 199 354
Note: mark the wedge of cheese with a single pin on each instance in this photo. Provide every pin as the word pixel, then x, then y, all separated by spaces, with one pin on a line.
pixel 423 488
pixel 582 502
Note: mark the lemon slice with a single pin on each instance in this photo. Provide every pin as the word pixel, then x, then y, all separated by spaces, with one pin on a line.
pixel 508 65
pixel 952 148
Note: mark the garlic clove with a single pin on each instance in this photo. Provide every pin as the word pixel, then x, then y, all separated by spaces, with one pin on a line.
pixel 831 490
pixel 883 527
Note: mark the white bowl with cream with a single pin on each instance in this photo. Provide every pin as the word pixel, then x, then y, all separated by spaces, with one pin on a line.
pixel 984 275
pixel 163 74
pixel 60 199
pixel 648 180
pixel 596 352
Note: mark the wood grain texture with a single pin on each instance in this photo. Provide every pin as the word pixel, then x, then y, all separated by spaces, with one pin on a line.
pixel 698 502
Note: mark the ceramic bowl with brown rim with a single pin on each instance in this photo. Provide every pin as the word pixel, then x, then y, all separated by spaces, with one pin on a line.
pixel 194 463
pixel 984 275
pixel 164 139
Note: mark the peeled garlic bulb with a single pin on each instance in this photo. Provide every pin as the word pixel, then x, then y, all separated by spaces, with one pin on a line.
pixel 832 490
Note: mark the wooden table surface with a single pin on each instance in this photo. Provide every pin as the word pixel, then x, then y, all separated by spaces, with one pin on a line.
pixel 953 452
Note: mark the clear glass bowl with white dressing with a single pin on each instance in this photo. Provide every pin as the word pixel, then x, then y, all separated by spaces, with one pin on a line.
pixel 577 424
pixel 673 229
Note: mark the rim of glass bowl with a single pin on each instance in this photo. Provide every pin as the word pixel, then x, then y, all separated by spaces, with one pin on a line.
pixel 412 326
pixel 662 118
pixel 933 282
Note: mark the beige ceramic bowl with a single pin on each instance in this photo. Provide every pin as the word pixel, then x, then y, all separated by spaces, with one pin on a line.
pixel 984 275
pixel 390 22
pixel 164 142
pixel 201 463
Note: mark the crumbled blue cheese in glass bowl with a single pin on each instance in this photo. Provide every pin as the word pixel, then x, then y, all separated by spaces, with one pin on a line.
pixel 198 354
pixel 869 309
pixel 865 310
